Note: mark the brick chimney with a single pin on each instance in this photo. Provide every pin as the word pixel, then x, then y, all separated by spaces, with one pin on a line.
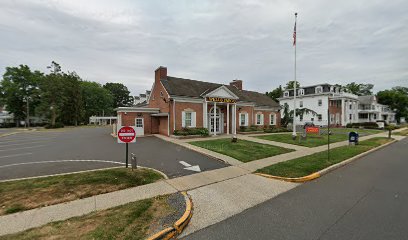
pixel 160 73
pixel 237 83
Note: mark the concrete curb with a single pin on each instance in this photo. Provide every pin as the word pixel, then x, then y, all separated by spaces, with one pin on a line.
pixel 8 134
pixel 179 225
pixel 326 170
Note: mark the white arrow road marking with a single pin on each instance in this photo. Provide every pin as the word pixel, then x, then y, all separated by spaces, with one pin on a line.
pixel 187 166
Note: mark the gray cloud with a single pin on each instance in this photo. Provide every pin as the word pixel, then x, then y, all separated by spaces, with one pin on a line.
pixel 111 41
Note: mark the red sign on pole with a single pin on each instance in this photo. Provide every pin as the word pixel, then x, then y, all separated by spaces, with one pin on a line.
pixel 312 129
pixel 126 135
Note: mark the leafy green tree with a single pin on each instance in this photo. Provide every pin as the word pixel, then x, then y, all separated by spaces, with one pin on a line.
pixel 288 114
pixel 19 91
pixel 276 93
pixel 359 88
pixel 96 100
pixel 51 97
pixel 291 84
pixel 72 105
pixel 397 99
pixel 120 93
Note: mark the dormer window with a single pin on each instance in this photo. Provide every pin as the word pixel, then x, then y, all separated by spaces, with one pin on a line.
pixel 331 89
pixel 301 91
pixel 319 89
pixel 286 94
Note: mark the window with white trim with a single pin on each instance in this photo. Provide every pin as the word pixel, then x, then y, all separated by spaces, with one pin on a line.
pixel 319 117
pixel 259 119
pixel 188 119
pixel 302 91
pixel 286 94
pixel 243 119
pixel 301 104
pixel 272 119
pixel 319 102
pixel 319 89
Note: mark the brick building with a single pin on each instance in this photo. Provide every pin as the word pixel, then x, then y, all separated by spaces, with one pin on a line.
pixel 176 103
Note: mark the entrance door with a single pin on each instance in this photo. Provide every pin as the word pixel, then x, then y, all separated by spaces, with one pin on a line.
pixel 139 127
pixel 218 121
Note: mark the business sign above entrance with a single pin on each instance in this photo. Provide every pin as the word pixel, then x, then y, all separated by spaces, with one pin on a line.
pixel 221 100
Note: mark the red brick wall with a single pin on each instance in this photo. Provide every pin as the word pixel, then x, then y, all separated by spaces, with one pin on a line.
pixel 129 120
pixel 181 106
pixel 333 109
pixel 162 125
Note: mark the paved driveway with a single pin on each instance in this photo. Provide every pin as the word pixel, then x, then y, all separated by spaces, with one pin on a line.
pixel 39 153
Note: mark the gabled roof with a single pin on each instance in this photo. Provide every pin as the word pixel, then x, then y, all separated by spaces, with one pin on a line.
pixel 193 88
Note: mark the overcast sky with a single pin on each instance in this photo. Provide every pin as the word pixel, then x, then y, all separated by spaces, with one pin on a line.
pixel 365 41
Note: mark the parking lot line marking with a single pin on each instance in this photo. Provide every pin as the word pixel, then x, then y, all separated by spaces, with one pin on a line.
pixel 25 140
pixel 14 149
pixel 16 144
pixel 58 161
pixel 16 155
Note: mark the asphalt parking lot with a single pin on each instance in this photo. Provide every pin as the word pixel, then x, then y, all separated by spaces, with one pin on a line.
pixel 38 153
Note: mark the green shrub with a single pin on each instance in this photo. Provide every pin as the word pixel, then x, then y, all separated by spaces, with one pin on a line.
pixel 191 131
pixel 274 129
pixel 368 125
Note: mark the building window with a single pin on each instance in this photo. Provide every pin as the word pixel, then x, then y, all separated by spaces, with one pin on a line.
pixel 272 119
pixel 161 94
pixel 243 119
pixel 351 116
pixel 319 102
pixel 331 118
pixel 301 117
pixel 301 104
pixel 319 117
pixel 139 122
pixel 188 119
pixel 318 89
pixel 351 106
pixel 301 91
pixel 375 116
pixel 312 119
pixel 259 119
pixel 286 94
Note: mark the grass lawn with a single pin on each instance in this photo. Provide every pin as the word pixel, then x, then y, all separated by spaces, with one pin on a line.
pixel 306 165
pixel 311 141
pixel 361 131
pixel 401 133
pixel 22 195
pixel 129 221
pixel 244 151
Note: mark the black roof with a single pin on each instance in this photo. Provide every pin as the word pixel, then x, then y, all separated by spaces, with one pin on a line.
pixel 194 88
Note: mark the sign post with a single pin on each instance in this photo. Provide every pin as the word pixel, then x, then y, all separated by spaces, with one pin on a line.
pixel 126 135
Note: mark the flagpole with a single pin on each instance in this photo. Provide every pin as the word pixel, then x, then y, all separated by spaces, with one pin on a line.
pixel 294 88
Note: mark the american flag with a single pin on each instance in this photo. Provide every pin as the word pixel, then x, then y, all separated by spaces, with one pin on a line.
pixel 294 35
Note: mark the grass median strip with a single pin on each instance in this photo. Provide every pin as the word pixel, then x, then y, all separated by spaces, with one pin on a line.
pixel 242 150
pixel 136 220
pixel 311 141
pixel 306 165
pixel 26 194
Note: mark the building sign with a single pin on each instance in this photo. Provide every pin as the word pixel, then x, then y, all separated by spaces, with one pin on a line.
pixel 312 129
pixel 221 100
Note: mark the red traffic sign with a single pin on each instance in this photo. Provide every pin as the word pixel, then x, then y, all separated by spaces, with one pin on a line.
pixel 126 135
pixel 312 129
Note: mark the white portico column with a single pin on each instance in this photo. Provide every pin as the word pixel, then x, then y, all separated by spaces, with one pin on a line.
pixel 234 124
pixel 205 114
pixel 215 119
pixel 228 126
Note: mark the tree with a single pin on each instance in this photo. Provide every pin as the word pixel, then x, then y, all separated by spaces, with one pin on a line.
pixel 288 115
pixel 276 93
pixel 96 100
pixel 20 91
pixel 359 89
pixel 72 105
pixel 291 84
pixel 52 99
pixel 120 93
pixel 397 99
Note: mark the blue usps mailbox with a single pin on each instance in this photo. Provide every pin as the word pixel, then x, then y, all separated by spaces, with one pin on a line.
pixel 353 138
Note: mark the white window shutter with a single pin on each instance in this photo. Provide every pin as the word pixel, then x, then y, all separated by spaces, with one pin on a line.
pixel 262 119
pixel 240 119
pixel 193 119
pixel 183 119
pixel 246 119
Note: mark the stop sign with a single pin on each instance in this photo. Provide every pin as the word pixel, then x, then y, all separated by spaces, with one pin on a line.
pixel 126 135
